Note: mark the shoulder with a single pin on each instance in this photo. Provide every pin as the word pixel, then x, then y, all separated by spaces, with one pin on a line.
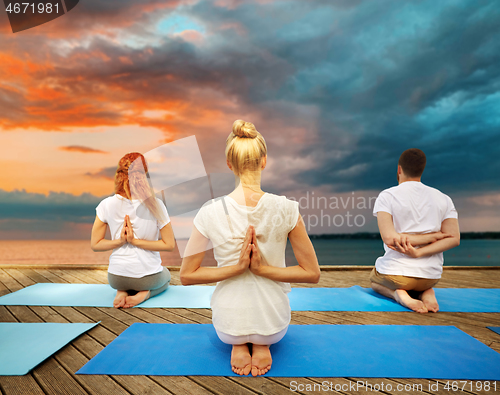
pixel 160 202
pixel 436 192
pixel 211 206
pixel 281 201
pixel 107 200
pixel 391 190
pixel 388 193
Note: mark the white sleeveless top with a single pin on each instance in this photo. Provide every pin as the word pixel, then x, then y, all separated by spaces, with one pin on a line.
pixel 249 304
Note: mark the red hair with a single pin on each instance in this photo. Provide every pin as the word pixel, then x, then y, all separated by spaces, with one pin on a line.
pixel 131 178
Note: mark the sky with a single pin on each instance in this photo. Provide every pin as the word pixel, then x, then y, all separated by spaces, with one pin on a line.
pixel 339 89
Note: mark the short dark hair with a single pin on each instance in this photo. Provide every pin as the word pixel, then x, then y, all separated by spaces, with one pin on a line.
pixel 412 161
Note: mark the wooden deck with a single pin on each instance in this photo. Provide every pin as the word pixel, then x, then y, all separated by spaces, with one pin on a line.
pixel 57 374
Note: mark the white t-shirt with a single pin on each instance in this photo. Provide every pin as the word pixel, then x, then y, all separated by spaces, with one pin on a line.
pixel 248 304
pixel 415 208
pixel 129 260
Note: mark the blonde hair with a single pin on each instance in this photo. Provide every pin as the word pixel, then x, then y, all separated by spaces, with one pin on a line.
pixel 131 178
pixel 245 147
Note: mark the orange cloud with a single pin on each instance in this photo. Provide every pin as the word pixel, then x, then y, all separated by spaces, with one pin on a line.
pixel 82 149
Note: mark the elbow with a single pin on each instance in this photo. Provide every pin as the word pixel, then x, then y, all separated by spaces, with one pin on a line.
pixel 184 277
pixel 169 246
pixel 93 247
pixel 315 276
pixel 389 241
pixel 184 280
pixel 457 241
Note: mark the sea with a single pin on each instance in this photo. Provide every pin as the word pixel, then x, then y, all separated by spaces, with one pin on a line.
pixel 329 252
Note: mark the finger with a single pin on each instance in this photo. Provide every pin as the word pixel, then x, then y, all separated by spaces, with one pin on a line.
pixel 248 236
pixel 254 239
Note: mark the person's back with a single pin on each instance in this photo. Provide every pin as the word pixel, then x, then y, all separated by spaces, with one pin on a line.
pixel 240 304
pixel 416 209
pixel 249 229
pixel 129 260
pixel 417 223
pixel 140 228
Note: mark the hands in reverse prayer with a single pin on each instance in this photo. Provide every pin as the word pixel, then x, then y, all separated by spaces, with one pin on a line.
pixel 127 233
pixel 250 257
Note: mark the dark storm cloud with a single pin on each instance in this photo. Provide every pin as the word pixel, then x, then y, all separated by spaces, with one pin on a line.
pixel 384 75
pixel 57 206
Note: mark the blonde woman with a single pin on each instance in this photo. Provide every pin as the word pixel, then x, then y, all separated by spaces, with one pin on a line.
pixel 249 230
pixel 140 228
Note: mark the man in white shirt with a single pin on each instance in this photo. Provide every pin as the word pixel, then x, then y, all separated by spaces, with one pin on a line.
pixel 417 223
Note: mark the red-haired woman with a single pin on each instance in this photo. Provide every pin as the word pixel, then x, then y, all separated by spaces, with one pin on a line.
pixel 140 228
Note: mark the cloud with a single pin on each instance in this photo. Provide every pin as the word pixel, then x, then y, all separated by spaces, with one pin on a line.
pixel 56 206
pixel 107 172
pixel 338 89
pixel 82 149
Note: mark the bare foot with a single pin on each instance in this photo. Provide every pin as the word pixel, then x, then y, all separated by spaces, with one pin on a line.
pixel 402 297
pixel 139 297
pixel 261 360
pixel 120 299
pixel 428 297
pixel 241 360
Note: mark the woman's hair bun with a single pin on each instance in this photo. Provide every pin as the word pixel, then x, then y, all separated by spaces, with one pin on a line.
pixel 244 129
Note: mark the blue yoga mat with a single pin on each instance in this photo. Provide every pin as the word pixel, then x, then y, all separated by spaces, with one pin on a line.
pixel 24 346
pixel 356 298
pixel 301 299
pixel 102 295
pixel 399 351
pixel 495 329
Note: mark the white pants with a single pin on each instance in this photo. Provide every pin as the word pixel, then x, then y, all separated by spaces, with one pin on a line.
pixel 254 339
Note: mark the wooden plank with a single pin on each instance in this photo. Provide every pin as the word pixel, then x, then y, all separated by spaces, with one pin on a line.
pixel 87 277
pixel 23 314
pixel 140 385
pixel 146 316
pixel 9 282
pixel 47 273
pixel 108 322
pixel 92 276
pixel 121 315
pixel 20 277
pixel 54 379
pixel 20 385
pixel 169 315
pixel 6 315
pixel 73 360
pixel 180 385
pixel 221 385
pixel 66 275
pixel 35 276
pixel 3 289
